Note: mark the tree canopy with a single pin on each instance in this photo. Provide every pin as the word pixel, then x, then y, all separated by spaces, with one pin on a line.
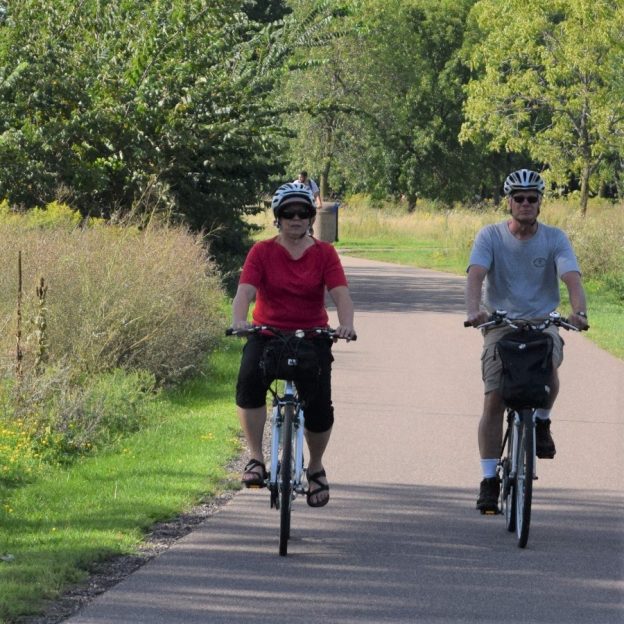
pixel 196 108
pixel 549 79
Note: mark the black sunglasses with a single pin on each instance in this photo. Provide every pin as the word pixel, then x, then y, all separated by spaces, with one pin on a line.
pixel 519 199
pixel 291 214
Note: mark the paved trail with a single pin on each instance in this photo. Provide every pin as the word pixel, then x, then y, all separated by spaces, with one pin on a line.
pixel 401 541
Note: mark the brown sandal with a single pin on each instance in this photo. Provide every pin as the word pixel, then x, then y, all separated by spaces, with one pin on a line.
pixel 259 479
pixel 322 487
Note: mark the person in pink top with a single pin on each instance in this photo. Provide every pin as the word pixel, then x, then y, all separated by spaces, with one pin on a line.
pixel 288 276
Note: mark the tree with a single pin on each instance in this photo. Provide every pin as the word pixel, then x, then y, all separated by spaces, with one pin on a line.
pixel 389 94
pixel 142 106
pixel 548 78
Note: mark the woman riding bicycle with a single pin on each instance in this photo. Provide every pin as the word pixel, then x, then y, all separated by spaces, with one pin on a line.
pixel 287 276
pixel 521 262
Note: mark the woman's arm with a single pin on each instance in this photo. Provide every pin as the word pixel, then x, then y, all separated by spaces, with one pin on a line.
pixel 245 294
pixel 341 297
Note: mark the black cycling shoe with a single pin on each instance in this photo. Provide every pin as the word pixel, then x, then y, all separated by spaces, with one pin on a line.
pixel 544 444
pixel 489 492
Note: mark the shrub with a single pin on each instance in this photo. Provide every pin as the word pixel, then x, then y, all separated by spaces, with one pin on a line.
pixel 116 297
pixel 124 311
pixel 63 417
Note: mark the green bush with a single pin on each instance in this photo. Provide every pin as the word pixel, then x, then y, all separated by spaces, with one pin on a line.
pixel 54 418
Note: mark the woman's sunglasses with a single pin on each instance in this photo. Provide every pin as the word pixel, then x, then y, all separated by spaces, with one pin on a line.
pixel 519 199
pixel 291 214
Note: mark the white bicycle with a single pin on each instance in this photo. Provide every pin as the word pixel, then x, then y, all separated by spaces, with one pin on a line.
pixel 285 480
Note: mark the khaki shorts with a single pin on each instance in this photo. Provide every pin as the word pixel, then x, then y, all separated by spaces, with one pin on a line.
pixel 491 367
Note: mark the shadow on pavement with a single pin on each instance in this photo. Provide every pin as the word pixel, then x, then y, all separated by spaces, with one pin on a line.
pixel 395 553
pixel 401 289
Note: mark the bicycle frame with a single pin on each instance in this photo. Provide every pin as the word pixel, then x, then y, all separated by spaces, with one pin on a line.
pixel 287 397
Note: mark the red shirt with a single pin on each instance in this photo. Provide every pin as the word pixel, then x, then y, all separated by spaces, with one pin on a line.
pixel 291 293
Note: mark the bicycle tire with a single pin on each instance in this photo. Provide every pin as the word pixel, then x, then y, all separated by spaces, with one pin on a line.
pixel 508 494
pixel 285 478
pixel 524 478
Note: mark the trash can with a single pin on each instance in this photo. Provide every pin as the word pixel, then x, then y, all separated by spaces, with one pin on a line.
pixel 327 223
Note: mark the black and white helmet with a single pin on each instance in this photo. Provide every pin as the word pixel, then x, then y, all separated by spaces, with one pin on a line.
pixel 292 193
pixel 524 180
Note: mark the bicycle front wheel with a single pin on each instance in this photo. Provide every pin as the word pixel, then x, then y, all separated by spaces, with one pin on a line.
pixel 285 479
pixel 524 479
pixel 508 482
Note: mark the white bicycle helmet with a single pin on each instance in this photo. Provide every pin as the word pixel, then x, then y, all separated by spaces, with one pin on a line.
pixel 524 180
pixel 292 193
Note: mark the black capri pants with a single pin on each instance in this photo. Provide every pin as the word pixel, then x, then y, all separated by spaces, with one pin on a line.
pixel 251 387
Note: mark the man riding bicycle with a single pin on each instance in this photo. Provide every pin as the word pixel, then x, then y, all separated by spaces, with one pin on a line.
pixel 520 261
pixel 287 276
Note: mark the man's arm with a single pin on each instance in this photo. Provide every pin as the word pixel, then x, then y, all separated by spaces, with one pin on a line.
pixel 576 294
pixel 474 285
pixel 319 201
pixel 317 194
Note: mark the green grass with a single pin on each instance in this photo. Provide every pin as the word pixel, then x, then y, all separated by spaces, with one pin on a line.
pixel 54 529
pixel 606 318
pixel 426 254
pixel 606 313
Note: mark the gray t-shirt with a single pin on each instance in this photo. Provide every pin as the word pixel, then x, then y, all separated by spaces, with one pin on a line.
pixel 523 275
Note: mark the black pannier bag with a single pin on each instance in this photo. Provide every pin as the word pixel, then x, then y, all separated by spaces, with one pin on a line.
pixel 290 358
pixel 527 368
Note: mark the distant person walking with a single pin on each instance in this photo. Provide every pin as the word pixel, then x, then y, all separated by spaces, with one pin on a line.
pixel 312 185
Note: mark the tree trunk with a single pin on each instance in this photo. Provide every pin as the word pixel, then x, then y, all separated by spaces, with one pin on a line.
pixel 328 152
pixel 584 188
pixel 323 180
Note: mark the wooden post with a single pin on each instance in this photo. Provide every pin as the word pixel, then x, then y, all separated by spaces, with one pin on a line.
pixel 18 353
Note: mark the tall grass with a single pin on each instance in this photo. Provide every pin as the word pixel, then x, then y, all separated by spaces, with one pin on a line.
pixel 598 238
pixel 125 310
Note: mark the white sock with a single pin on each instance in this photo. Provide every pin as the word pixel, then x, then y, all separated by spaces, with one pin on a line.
pixel 488 467
pixel 542 414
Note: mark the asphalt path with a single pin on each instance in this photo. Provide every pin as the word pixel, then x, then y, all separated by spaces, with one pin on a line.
pixel 401 540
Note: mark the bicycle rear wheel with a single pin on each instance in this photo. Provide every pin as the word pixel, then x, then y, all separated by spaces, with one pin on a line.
pixel 524 479
pixel 508 483
pixel 285 478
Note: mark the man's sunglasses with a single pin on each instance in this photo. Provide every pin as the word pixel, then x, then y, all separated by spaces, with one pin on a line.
pixel 519 199
pixel 291 214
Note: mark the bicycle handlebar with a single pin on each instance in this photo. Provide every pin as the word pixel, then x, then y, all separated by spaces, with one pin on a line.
pixel 499 317
pixel 300 333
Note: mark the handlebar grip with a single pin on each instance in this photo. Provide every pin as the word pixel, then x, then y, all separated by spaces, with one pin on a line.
pixel 467 324
pixel 229 331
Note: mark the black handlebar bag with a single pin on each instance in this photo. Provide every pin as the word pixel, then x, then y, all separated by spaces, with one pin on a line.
pixel 290 358
pixel 526 357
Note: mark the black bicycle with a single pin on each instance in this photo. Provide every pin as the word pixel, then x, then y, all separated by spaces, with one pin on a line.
pixel 287 358
pixel 517 465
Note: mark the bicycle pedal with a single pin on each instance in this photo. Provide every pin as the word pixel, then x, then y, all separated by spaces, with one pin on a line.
pixel 490 512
